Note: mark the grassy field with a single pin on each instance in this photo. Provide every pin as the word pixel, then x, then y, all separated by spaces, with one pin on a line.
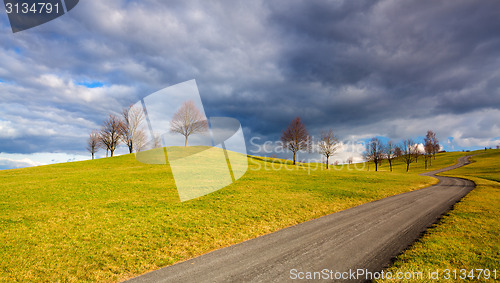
pixel 468 237
pixel 115 218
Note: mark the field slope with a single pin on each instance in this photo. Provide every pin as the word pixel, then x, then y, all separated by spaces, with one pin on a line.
pixel 115 218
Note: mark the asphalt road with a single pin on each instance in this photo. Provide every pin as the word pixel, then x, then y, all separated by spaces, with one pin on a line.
pixel 366 237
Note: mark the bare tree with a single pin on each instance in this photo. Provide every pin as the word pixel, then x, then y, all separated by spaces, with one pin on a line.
pixel 417 152
pixel 328 144
pixel 111 133
pixel 156 140
pixel 141 140
pixel 397 151
pixel 429 146
pixel 296 137
pixel 375 152
pixel 350 160
pixel 390 153
pixel 105 143
pixel 188 120
pixel 134 135
pixel 408 150
pixel 93 143
pixel 435 144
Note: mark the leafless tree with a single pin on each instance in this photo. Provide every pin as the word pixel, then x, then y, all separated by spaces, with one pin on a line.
pixel 429 146
pixel 435 144
pixel 350 160
pixel 93 143
pixel 296 137
pixel 408 150
pixel 111 133
pixel 150 142
pixel 416 152
pixel 188 120
pixel 156 140
pixel 140 140
pixel 375 152
pixel 327 145
pixel 134 135
pixel 397 151
pixel 390 152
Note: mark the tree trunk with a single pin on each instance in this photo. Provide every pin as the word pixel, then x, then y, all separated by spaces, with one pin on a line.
pixel 376 165
pixel 107 152
pixel 294 153
pixel 92 156
pixel 390 164
pixel 130 147
pixel 407 166
pixel 186 142
pixel 112 150
pixel 425 162
pixel 327 162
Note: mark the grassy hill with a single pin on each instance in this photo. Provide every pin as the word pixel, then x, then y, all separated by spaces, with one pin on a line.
pixel 115 218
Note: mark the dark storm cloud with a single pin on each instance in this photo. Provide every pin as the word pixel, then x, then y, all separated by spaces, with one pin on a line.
pixel 444 51
pixel 392 68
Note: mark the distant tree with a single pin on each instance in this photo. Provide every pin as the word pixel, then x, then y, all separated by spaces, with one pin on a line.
pixel 408 150
pixel 188 120
pixel 429 147
pixel 434 141
pixel 417 152
pixel 390 152
pixel 397 151
pixel 350 160
pixel 93 143
pixel 327 145
pixel 133 134
pixel 436 145
pixel 141 141
pixel 375 151
pixel 156 140
pixel 111 133
pixel 296 137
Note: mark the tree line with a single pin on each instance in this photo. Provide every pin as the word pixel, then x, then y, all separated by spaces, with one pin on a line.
pixel 126 128
pixel 296 138
pixel 188 120
pixel 407 150
pixel 129 128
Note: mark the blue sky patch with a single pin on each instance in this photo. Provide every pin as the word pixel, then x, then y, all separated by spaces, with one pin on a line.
pixel 91 84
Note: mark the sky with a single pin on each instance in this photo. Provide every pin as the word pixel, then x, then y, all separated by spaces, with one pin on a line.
pixel 392 69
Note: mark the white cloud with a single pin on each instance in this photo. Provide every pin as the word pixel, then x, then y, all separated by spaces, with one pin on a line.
pixel 7 130
pixel 11 161
pixel 7 163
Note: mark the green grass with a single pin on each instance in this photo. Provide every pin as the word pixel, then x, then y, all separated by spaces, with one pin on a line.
pixel 115 218
pixel 468 237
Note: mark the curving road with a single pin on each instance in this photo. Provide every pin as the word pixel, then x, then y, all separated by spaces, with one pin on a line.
pixel 365 237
